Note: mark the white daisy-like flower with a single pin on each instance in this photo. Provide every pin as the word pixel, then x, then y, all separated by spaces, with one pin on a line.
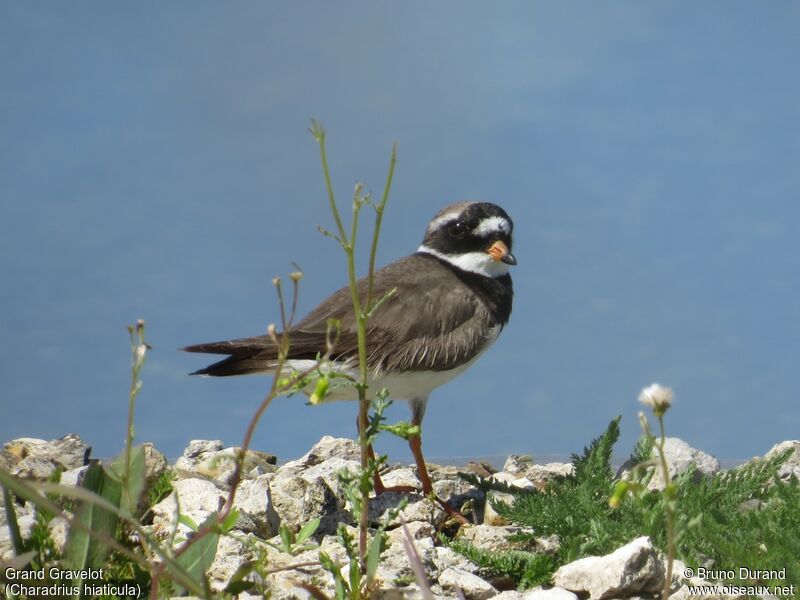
pixel 657 397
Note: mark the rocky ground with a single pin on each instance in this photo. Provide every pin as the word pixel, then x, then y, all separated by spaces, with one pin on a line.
pixel 307 488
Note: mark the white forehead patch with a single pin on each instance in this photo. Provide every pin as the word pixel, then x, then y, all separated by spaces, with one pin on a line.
pixel 491 225
pixel 442 220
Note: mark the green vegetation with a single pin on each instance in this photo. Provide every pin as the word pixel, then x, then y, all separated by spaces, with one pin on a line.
pixel 713 525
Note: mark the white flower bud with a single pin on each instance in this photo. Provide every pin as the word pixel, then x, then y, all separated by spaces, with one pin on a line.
pixel 657 397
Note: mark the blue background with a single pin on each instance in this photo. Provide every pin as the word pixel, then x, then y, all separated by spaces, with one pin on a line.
pixel 155 163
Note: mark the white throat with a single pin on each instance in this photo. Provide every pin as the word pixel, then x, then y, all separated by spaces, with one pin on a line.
pixel 473 262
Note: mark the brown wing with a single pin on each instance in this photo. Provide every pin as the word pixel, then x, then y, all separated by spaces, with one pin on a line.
pixel 433 320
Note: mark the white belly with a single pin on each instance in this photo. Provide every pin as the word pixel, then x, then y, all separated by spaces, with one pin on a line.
pixel 406 386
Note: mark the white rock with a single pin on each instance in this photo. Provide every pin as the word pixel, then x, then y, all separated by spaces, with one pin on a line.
pixel 792 464
pixel 680 456
pixel 25 519
pixel 403 476
pixel 198 447
pixel 27 457
pixel 254 501
pixel 328 447
pixel 473 587
pixel 634 568
pixel 487 537
pixel 549 471
pixel 73 477
pixel 490 515
pixel 198 498
pixel 155 463
pixel 419 508
pixel 298 498
pixel 518 464
pixel 444 558
pixel 418 530
pixel 329 469
pixel 231 554
pixel 36 468
pixel 396 562
pixel 209 459
pixel 508 595
pixel 555 593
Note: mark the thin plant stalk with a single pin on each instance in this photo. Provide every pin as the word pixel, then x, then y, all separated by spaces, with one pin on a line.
pixel 379 208
pixel 670 516
pixel 139 348
pixel 361 310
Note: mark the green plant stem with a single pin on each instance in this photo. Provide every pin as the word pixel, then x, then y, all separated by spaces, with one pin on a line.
pixel 668 495
pixel 135 330
pixel 373 251
pixel 349 248
pixel 319 134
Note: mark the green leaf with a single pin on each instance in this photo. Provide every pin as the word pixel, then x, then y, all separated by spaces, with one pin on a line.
pixel 238 583
pixel 374 555
pixel 402 429
pixel 83 551
pixel 230 521
pixel 197 559
pixel 133 484
pixel 355 575
pixel 307 530
pixel 188 521
pixel 286 537
pixel 13 525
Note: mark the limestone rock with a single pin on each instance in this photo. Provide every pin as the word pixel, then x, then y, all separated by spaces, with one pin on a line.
pixel 518 464
pixel 256 510
pixel 198 498
pixel 401 476
pixel 231 554
pixel 542 473
pixel 634 568
pixel 444 558
pixel 509 595
pixel 328 447
pixel 35 468
pixel 555 593
pixel 155 463
pixel 73 477
pixel 792 464
pixel 680 456
pixel 31 458
pixel 490 515
pixel 472 586
pixel 209 459
pixel 491 538
pixel 26 516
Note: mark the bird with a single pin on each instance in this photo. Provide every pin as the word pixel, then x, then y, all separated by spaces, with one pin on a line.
pixel 442 307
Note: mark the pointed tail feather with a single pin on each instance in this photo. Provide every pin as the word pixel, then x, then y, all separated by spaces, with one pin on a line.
pixel 235 365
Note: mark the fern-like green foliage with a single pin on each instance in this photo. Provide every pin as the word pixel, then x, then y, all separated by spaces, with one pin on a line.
pixel 713 522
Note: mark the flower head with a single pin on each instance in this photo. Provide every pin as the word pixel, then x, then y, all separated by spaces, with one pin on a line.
pixel 657 397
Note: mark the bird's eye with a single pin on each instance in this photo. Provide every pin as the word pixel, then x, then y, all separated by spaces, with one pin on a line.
pixel 457 229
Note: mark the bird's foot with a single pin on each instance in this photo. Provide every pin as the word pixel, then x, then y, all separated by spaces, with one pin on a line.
pixel 450 511
pixel 377 483
pixel 400 489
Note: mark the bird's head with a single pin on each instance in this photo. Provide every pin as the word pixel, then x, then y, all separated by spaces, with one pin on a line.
pixel 472 236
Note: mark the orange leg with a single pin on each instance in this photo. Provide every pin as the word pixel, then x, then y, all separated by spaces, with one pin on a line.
pixel 378 482
pixel 415 443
